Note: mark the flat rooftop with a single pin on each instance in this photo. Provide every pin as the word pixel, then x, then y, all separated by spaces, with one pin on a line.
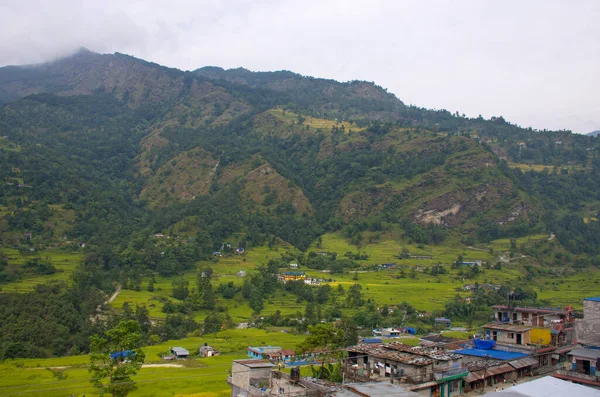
pixel 507 327
pixel 253 363
pixel 540 310
pixel 375 389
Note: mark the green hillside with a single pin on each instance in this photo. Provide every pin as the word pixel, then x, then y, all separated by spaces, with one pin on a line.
pixel 121 175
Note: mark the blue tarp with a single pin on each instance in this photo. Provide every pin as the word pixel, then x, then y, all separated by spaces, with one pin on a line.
pixel 411 330
pixel 124 353
pixel 372 340
pixel 484 344
pixel 495 354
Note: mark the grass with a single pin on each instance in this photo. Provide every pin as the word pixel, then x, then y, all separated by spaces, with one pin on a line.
pixel 65 263
pixel 316 123
pixel 540 167
pixel 197 377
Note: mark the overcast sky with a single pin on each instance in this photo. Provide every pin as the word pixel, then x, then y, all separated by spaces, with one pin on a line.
pixel 536 63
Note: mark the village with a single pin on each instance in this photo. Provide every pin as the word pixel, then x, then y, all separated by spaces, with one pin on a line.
pixel 522 351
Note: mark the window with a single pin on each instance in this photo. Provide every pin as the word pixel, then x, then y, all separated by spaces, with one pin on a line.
pixel 511 335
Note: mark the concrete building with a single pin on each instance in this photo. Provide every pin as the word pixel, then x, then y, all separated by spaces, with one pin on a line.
pixel 254 378
pixel 534 317
pixel 263 352
pixel 207 351
pixel 427 371
pixel 508 333
pixel 587 330
pixel 250 378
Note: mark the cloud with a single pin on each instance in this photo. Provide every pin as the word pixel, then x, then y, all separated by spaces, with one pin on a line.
pixel 535 62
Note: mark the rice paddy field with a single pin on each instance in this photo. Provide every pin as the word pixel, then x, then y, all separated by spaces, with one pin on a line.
pixel 204 377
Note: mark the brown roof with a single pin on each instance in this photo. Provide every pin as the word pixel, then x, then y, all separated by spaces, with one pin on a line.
pixel 500 369
pixel 288 352
pixel 387 354
pixel 523 362
pixel 474 376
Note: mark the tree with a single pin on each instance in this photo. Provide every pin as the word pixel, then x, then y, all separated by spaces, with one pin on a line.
pixel 323 336
pixel 180 288
pixel 115 357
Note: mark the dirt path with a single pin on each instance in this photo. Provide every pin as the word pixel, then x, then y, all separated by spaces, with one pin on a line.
pixel 114 296
pixel 162 366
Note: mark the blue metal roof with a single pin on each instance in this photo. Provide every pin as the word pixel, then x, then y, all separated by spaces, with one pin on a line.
pixel 495 354
pixel 595 299
pixel 372 340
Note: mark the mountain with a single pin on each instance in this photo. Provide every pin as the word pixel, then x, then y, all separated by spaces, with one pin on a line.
pixel 594 133
pixel 132 147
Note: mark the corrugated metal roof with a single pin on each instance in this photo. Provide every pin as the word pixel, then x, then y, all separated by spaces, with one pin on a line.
pixel 593 299
pixel 500 369
pixel 180 351
pixel 474 376
pixel 585 352
pixel 523 362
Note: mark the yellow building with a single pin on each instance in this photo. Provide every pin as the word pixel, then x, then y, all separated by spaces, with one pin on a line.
pixel 294 276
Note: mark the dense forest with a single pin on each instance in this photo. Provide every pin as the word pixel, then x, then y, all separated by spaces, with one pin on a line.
pixel 116 149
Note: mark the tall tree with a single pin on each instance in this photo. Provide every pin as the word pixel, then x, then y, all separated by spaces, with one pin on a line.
pixel 115 357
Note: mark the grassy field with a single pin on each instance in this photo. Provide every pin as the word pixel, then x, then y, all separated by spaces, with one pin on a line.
pixel 65 263
pixel 198 376
pixel 424 291
pixel 320 124
pixel 539 167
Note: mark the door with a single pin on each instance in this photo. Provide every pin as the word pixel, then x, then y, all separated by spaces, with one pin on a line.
pixel 519 339
pixel 586 367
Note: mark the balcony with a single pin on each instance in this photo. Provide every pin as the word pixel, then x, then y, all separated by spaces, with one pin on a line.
pixel 578 377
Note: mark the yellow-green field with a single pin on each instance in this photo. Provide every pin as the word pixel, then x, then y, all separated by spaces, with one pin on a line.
pixel 540 167
pixel 65 263
pixel 197 376
pixel 319 124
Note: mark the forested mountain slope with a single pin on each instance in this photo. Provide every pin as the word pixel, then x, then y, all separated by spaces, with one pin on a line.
pixel 135 148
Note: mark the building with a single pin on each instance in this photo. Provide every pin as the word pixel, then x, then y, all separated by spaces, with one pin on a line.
pixel 427 371
pixel 583 363
pixel 535 317
pixel 179 352
pixel 294 276
pixel 207 351
pixel 250 377
pixel 374 389
pixel 587 330
pixel 508 333
pixel 388 332
pixel 263 352
pixel 254 378
pixel 293 266
pixel 442 322
pixel 241 273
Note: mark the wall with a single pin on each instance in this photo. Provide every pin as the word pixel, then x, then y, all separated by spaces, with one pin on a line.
pixel 588 330
pixel 240 375
pixel 540 336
